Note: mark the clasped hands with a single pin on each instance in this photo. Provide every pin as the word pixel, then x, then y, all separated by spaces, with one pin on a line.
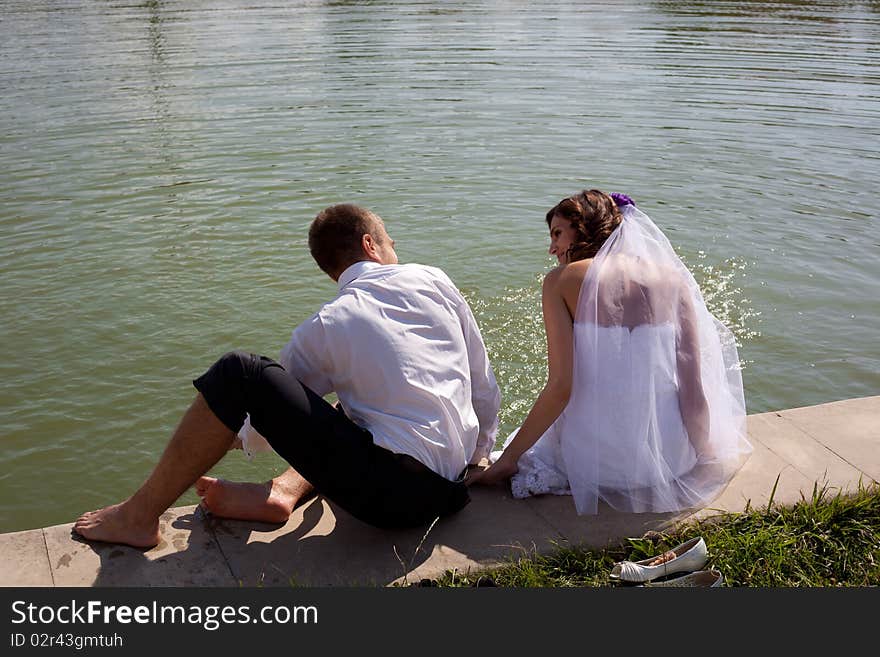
pixel 497 472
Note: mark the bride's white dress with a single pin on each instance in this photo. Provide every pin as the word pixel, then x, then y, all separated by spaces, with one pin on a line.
pixel 622 438
pixel 615 450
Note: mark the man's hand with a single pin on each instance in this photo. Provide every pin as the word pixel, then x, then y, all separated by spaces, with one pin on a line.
pixel 475 469
pixel 499 471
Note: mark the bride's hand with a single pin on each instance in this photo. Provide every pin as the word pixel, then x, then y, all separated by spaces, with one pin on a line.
pixel 706 452
pixel 502 469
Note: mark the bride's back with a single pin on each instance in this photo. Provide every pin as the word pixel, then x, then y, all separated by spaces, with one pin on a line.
pixel 630 292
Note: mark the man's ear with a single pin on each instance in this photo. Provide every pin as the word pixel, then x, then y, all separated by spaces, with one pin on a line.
pixel 368 244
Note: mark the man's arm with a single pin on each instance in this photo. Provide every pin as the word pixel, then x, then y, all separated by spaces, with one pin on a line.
pixel 305 353
pixel 485 395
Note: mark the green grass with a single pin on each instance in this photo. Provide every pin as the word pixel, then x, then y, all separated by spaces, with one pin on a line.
pixel 823 540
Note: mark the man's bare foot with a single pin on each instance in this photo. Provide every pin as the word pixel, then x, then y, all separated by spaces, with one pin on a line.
pixel 118 524
pixel 272 501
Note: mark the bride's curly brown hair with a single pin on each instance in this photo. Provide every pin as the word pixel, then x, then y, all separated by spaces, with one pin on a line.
pixel 594 215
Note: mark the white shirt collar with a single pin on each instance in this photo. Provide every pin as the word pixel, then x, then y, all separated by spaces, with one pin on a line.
pixel 354 271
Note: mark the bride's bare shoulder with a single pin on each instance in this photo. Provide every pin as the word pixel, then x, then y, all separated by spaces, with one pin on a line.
pixel 567 274
pixel 566 280
pixel 572 274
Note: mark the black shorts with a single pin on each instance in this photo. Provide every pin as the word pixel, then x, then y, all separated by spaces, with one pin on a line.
pixel 330 451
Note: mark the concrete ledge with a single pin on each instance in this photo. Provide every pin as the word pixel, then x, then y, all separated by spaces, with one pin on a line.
pixel 26 561
pixel 835 444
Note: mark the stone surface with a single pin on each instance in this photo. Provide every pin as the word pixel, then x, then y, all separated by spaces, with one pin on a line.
pixel 598 531
pixel 323 546
pixel 754 484
pixel 849 428
pixel 319 545
pixel 25 561
pixel 491 529
pixel 186 556
pixel 811 458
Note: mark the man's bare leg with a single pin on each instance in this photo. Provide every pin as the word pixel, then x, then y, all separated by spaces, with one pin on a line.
pixel 272 501
pixel 199 441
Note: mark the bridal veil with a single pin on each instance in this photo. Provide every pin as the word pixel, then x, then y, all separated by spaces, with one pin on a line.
pixel 656 420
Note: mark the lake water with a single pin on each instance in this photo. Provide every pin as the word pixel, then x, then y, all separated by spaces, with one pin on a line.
pixel 160 163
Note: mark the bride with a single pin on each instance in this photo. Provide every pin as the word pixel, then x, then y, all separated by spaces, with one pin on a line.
pixel 643 406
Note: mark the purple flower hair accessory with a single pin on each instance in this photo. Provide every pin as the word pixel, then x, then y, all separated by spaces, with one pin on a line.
pixel 622 199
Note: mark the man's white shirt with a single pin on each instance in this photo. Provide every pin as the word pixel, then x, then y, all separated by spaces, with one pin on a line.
pixel 402 351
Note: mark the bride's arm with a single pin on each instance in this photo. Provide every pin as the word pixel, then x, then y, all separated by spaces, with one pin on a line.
pixel 691 397
pixel 554 397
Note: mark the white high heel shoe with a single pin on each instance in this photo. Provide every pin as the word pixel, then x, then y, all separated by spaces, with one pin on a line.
pixel 689 556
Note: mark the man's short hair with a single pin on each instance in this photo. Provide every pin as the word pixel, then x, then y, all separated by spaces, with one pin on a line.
pixel 335 236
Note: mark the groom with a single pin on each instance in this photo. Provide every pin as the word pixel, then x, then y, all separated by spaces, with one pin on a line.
pixel 418 401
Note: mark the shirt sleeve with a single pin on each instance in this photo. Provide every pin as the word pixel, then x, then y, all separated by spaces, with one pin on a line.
pixel 305 356
pixel 485 395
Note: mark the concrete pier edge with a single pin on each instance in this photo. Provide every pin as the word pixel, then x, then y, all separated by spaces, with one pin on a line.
pixel 836 444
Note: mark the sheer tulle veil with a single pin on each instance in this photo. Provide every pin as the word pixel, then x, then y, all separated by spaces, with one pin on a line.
pixel 656 418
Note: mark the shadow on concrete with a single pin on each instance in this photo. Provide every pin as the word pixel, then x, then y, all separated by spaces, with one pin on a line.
pixel 321 545
pixel 187 555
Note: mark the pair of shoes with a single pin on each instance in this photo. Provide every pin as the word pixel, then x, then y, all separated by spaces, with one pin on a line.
pixel 689 556
pixel 710 578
